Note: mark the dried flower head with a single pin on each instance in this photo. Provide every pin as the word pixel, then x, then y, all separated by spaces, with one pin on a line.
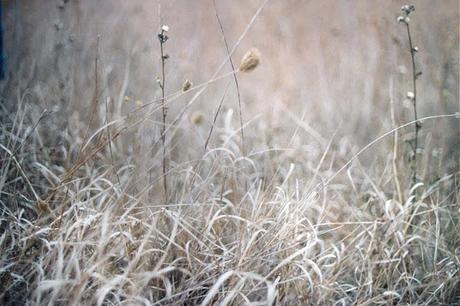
pixel 197 118
pixel 162 36
pixel 250 60
pixel 410 95
pixel 187 85
pixel 408 9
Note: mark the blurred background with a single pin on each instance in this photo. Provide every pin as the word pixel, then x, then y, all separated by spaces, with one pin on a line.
pixel 328 68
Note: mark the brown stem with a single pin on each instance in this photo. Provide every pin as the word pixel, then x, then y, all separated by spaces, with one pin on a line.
pixel 414 100
pixel 164 112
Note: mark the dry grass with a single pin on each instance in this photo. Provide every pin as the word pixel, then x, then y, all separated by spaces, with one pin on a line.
pixel 319 209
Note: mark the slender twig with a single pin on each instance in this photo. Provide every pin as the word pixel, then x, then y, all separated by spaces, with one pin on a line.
pixel 407 11
pixel 234 76
pixel 414 100
pixel 163 37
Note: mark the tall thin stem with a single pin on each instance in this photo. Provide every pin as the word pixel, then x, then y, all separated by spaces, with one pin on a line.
pixel 163 38
pixel 234 76
pixel 413 50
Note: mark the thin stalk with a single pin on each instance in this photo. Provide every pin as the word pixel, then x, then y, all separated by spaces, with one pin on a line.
pixel 109 137
pixel 414 103
pixel 234 76
pixel 395 145
pixel 163 38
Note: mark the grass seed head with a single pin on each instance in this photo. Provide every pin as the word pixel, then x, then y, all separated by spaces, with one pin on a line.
pixel 187 85
pixel 250 60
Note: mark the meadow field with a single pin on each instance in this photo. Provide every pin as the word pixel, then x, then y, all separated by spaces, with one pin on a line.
pixel 230 152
